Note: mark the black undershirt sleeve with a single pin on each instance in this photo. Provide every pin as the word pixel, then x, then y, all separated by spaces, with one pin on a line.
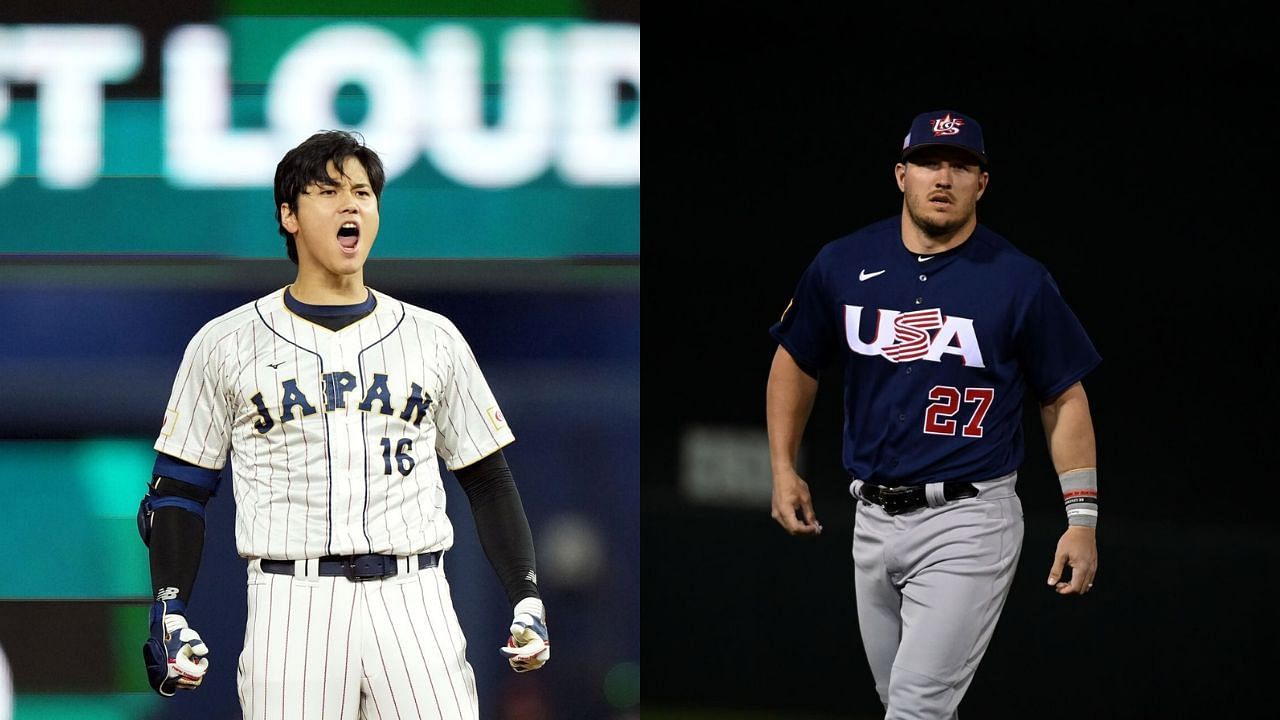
pixel 501 524
pixel 177 543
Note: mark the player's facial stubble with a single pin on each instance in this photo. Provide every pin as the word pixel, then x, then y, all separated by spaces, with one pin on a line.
pixel 940 196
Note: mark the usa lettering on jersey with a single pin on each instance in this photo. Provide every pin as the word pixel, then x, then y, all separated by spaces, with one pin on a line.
pixel 906 336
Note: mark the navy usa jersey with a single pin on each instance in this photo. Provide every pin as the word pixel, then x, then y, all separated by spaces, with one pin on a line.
pixel 939 351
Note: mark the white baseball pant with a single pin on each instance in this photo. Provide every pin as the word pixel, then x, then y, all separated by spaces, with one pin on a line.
pixel 328 648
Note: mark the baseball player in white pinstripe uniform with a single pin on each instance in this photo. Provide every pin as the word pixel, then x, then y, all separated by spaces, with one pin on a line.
pixel 6 688
pixel 334 401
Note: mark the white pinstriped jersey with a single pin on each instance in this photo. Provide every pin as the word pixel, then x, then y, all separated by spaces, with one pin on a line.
pixel 334 435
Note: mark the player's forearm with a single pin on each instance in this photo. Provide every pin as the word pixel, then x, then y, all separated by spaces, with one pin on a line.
pixel 504 534
pixel 177 543
pixel 501 524
pixel 788 401
pixel 1069 431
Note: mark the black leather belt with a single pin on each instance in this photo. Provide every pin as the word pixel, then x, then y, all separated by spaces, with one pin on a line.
pixel 355 568
pixel 898 500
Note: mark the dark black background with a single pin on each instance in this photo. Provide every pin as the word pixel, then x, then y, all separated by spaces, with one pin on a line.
pixel 1133 153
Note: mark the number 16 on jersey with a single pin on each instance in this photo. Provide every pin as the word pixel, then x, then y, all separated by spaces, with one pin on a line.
pixel 404 461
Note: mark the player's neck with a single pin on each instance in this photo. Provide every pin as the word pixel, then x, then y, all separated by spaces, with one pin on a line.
pixel 326 289
pixel 917 241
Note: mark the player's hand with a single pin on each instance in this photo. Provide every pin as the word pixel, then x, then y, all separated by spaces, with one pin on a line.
pixel 791 502
pixel 529 646
pixel 1078 549
pixel 175 656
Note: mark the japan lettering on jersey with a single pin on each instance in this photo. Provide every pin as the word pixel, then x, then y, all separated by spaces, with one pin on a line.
pixel 938 351
pixel 334 436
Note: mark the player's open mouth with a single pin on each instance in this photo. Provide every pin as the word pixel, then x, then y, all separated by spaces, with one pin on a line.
pixel 349 237
pixel 940 200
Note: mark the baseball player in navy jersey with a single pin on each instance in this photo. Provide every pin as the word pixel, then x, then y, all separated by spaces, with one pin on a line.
pixel 335 403
pixel 943 327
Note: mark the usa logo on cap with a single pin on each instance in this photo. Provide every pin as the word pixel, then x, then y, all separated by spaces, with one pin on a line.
pixel 945 127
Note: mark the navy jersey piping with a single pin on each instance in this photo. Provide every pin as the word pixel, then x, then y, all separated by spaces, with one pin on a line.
pixel 364 522
pixel 328 545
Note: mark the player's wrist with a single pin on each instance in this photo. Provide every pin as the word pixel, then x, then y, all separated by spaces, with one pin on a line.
pixel 175 623
pixel 782 463
pixel 161 611
pixel 532 606
pixel 1080 496
pixel 785 477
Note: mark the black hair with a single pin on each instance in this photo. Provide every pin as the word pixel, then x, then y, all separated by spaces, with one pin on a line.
pixel 308 164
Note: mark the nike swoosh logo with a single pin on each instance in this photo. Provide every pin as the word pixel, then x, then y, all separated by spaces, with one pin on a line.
pixel 864 275
pixel 273 367
pixel 924 258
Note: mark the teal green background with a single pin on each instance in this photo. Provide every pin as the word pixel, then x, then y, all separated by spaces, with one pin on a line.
pixel 82 511
pixel 113 706
pixel 133 209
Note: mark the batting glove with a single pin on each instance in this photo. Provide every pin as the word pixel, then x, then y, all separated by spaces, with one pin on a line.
pixel 175 654
pixel 529 647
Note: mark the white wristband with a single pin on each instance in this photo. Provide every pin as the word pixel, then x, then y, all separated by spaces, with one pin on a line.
pixel 1080 496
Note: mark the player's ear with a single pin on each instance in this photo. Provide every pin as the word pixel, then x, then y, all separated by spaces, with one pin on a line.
pixel 287 218
pixel 982 184
pixel 900 172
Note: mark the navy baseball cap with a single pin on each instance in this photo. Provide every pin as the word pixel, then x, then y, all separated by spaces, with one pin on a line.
pixel 945 127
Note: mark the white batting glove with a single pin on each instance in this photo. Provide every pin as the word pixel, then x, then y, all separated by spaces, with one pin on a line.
pixel 529 646
pixel 189 663
pixel 177 659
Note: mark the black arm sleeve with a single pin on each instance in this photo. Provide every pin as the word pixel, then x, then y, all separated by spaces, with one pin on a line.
pixel 177 544
pixel 501 524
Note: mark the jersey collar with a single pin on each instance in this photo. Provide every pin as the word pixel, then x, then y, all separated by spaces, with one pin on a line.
pixel 300 308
